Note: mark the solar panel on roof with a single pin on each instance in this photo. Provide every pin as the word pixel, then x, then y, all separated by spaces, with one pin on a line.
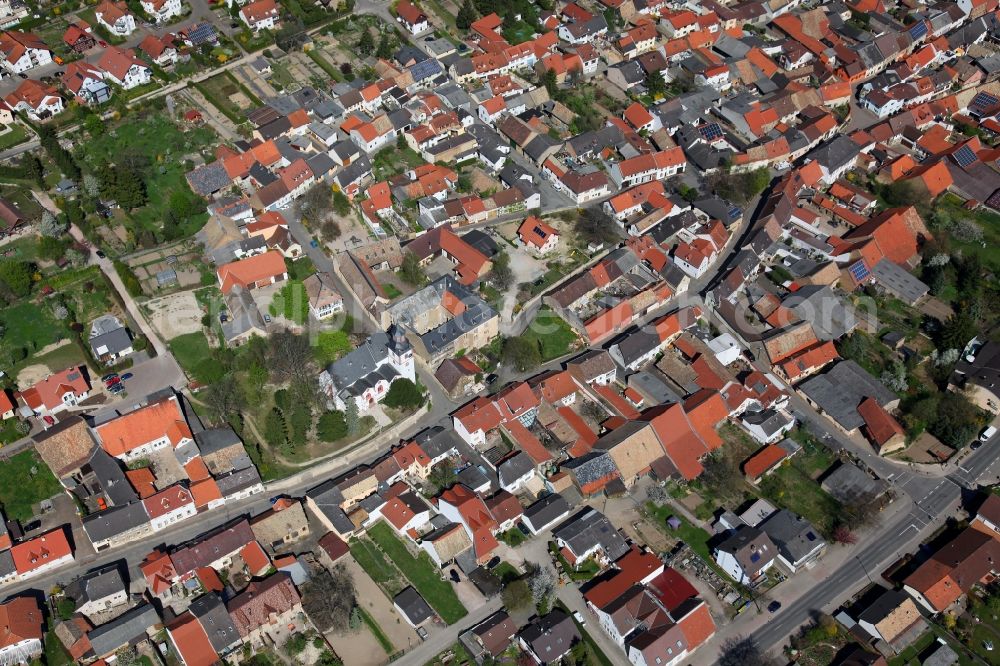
pixel 859 271
pixel 918 30
pixel 984 99
pixel 735 211
pixel 964 156
pixel 711 131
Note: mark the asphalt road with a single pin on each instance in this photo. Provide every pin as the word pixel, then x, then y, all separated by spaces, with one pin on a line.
pixel 900 537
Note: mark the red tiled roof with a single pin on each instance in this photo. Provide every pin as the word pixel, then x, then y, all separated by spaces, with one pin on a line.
pixel 880 426
pixel 192 642
pixel 144 425
pixel 247 272
pixel 763 461
pixel 40 550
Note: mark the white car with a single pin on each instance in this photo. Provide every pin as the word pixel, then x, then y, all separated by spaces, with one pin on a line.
pixel 578 616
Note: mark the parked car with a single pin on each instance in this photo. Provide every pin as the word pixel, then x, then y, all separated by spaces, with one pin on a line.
pixel 32 526
pixel 116 388
pixel 111 382
pixel 987 434
pixel 267 319
pixel 103 44
pixel 578 616
pixel 773 607
pixel 454 576
pixel 101 255
pixel 108 377
pixel 127 375
pixel 314 242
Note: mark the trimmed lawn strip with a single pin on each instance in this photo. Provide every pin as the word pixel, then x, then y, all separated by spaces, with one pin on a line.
pixel 24 481
pixel 374 563
pixel 376 630
pixel 421 573
pixel 325 65
pixel 15 136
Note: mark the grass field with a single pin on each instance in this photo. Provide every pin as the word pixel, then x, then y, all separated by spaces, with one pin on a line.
pixel 219 88
pixel 422 573
pixel 988 220
pixel 29 327
pixel 371 559
pixel 25 480
pixel 551 333
pixel 161 145
pixel 190 350
pixel 791 486
pixel 16 135
pixel 325 65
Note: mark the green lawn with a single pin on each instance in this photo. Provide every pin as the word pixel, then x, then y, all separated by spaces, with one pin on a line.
pixel 220 88
pixel 421 572
pixel 291 302
pixel 988 220
pixel 391 290
pixel 551 333
pixel 161 145
pixel 29 327
pixel 25 480
pixel 325 65
pixel 15 136
pixel 190 350
pixel 792 487
pixel 371 559
pixel 506 572
pixel 55 653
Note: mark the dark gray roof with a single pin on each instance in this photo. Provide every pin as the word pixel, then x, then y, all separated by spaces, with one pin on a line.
pixel 899 281
pixel 237 480
pixel 437 440
pixel 589 528
pixel 839 391
pixel 514 467
pixel 129 628
pixel 363 367
pixel 354 172
pixel 769 421
pixel 836 153
pixel 794 536
pixel 215 620
pixel 213 440
pixel 413 606
pixel 590 467
pixel 547 510
pixel 111 478
pixel 477 312
pixel 883 606
pixel 328 498
pixel 473 477
pixel 96 585
pixel 114 521
pixel 7 567
pixel 114 342
pixel 848 484
pixel 751 547
pixel 208 179
pixel 552 636
pixel 637 344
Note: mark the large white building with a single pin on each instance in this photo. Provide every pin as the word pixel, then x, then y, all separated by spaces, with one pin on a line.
pixel 365 374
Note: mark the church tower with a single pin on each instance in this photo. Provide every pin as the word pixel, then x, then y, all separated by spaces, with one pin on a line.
pixel 400 352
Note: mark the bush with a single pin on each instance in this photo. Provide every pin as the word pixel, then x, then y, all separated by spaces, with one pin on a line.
pixel 404 394
pixel 332 426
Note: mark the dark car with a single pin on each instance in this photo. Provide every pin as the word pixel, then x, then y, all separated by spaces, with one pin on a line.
pixel 773 606
pixel 454 576
pixel 127 375
pixel 101 254
pixel 975 445
pixel 23 75
pixel 32 526
pixel 109 377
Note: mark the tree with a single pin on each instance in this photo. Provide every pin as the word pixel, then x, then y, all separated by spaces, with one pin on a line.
pixel 299 423
pixel 466 15
pixel 742 651
pixel 957 331
pixel 502 276
pixel 411 271
pixel 740 187
pixel 65 608
pixel 366 45
pixel 331 426
pixel 64 160
pixel 124 185
pixel 347 70
pixel 32 167
pixel 330 231
pixel 50 225
pixel 74 212
pixel 384 49
pixel 275 430
pixel 329 597
pixel 352 418
pixel 542 583
pixel 656 494
pixel 593 411
pixel 51 248
pixel 593 225
pixel 404 394
pixel 91 186
pixel 550 81
pixel 656 85
pixel 225 396
pixel 521 353
pixel 16 276
pixel 843 534
pixel 516 595
pixel 289 357
pixel 341 204
pixel 283 399
pixel 331 345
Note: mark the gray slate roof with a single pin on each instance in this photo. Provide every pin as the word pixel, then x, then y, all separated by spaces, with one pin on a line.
pixel 114 521
pixel 552 636
pixel 839 391
pixel 547 510
pixel 96 585
pixel 124 630
pixel 413 606
pixel 588 528
pixel 216 621
pixel 794 536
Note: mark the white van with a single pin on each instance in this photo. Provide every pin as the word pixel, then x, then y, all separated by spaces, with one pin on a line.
pixel 987 434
